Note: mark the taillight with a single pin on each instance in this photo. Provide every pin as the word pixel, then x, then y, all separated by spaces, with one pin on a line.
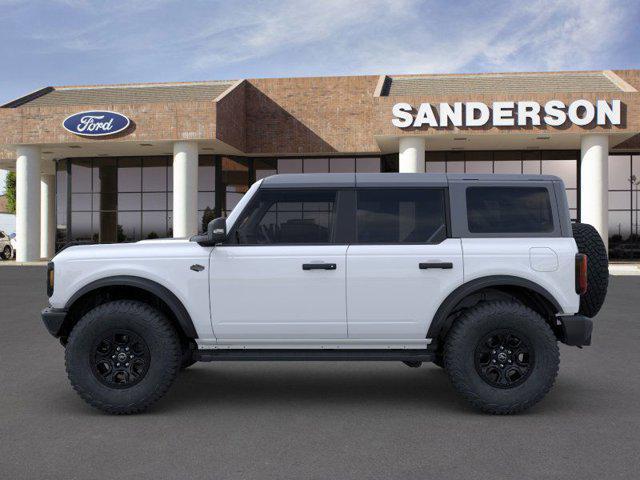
pixel 581 273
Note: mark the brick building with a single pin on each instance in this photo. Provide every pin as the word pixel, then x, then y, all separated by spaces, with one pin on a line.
pixel 190 150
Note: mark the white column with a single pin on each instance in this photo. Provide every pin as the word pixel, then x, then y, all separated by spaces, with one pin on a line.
pixel 28 203
pixel 185 189
pixel 594 183
pixel 47 215
pixel 411 154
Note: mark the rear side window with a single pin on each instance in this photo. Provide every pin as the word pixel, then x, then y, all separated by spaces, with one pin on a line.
pixel 401 216
pixel 509 210
pixel 289 217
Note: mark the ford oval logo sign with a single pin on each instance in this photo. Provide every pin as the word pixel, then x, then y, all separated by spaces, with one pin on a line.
pixel 96 123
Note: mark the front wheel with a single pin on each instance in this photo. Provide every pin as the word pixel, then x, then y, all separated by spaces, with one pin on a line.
pixel 6 253
pixel 502 357
pixel 122 356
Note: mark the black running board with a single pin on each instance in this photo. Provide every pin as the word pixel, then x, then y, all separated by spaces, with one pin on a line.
pixel 313 355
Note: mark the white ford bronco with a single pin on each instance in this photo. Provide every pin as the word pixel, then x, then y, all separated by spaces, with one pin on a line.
pixel 482 275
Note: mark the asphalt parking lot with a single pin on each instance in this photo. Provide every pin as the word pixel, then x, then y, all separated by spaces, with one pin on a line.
pixel 317 420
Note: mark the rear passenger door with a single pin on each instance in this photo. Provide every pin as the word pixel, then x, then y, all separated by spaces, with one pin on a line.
pixel 402 264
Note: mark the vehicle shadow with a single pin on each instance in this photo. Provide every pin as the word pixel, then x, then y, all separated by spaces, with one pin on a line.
pixel 249 384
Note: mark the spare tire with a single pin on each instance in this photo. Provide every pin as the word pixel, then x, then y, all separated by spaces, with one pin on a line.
pixel 589 242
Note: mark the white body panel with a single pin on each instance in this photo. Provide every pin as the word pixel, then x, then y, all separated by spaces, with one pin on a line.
pixel 260 297
pixel 389 296
pixel 485 257
pixel 165 262
pixel 262 292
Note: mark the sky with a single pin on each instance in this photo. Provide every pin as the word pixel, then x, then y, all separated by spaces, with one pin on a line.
pixel 76 42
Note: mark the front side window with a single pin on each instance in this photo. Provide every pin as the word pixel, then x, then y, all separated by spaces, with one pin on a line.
pixel 288 217
pixel 509 210
pixel 401 216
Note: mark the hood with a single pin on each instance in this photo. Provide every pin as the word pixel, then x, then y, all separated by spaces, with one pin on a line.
pixel 179 247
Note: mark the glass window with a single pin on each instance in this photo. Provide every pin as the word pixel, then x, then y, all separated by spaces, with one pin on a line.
pixel 265 167
pixel 129 175
pixel 479 167
pixel 401 216
pixel 565 169
pixel 436 167
pixel 620 200
pixel 154 201
pixel 154 225
pixel 129 226
pixel 342 165
pixel 81 230
pixel 289 217
pixel 455 167
pixel 619 172
pixel 368 165
pixel 206 173
pixel 507 166
pixel 509 210
pixel 316 165
pixel 61 192
pixel 81 175
pixel 129 201
pixel 154 174
pixel 531 167
pixel 289 165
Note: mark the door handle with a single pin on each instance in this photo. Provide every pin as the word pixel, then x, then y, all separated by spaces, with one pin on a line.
pixel 319 266
pixel 442 265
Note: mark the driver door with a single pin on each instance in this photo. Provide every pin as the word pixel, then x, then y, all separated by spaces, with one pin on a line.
pixel 282 273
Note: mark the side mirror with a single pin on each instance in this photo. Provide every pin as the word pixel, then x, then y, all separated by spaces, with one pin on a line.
pixel 216 233
pixel 217 230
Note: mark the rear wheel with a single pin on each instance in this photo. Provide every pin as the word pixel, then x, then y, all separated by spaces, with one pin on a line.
pixel 6 253
pixel 502 357
pixel 122 356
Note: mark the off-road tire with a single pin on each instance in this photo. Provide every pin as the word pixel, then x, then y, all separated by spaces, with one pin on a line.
pixel 468 332
pixel 6 253
pixel 589 242
pixel 148 324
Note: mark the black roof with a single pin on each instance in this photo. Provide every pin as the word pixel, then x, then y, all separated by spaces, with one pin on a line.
pixel 317 180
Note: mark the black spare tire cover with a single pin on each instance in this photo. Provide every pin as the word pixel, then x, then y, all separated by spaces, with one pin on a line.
pixel 589 242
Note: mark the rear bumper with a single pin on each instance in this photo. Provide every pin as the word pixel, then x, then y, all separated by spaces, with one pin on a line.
pixel 576 330
pixel 53 319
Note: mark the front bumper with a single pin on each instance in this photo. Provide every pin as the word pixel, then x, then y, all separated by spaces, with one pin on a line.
pixel 53 319
pixel 576 330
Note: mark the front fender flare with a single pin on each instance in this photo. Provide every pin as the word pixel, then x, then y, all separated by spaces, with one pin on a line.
pixel 160 291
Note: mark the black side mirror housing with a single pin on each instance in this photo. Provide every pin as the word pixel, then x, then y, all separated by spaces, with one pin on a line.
pixel 217 230
pixel 216 233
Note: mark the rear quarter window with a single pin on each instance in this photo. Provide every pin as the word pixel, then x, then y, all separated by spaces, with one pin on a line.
pixel 509 210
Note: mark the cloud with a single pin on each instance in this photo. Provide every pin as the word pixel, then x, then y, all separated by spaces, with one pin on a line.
pixel 78 41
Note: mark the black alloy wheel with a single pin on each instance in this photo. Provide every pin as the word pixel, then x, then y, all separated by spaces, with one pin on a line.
pixel 120 359
pixel 504 358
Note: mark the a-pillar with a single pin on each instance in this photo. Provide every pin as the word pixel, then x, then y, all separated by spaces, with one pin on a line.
pixel 47 210
pixel 185 189
pixel 411 154
pixel 27 203
pixel 594 183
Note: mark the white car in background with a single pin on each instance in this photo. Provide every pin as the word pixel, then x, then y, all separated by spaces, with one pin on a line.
pixel 7 248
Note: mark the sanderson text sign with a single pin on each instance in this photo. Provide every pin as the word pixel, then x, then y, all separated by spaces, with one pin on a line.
pixel 96 123
pixel 507 114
